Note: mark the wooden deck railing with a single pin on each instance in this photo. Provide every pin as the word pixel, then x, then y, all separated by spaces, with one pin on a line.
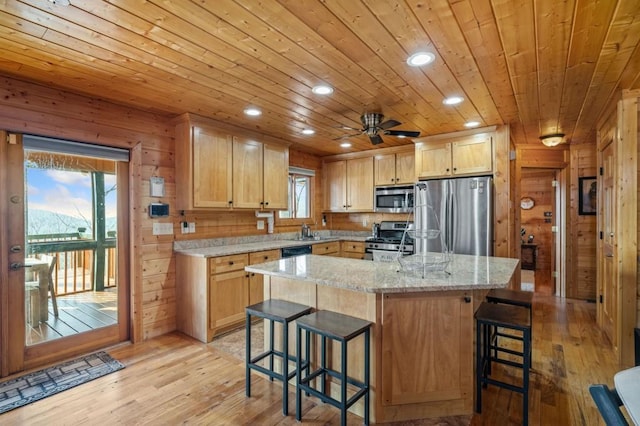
pixel 76 261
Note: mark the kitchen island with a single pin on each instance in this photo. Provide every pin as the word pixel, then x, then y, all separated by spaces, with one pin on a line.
pixel 422 338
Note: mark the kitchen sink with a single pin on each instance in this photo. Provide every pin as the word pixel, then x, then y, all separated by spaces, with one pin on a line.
pixel 320 238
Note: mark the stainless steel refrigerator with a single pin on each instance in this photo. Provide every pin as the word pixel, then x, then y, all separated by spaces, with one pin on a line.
pixel 454 215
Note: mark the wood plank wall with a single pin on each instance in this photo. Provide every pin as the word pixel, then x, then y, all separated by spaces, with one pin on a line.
pixel 40 110
pixel 583 228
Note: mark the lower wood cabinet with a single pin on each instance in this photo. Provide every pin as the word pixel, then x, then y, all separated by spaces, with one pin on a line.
pixel 330 248
pixel 352 249
pixel 211 293
pixel 256 281
pixel 437 365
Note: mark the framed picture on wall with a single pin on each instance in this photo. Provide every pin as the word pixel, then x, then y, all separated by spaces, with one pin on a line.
pixel 587 195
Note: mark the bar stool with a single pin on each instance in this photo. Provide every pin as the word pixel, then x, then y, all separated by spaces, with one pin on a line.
pixel 489 316
pixel 341 328
pixel 273 310
pixel 511 297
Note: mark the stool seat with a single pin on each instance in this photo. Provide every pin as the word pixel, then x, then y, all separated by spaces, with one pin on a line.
pixel 509 316
pixel 511 297
pixel 278 310
pixel 341 328
pixel 334 325
pixel 283 312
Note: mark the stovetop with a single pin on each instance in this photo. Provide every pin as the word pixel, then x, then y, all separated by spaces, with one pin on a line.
pixel 383 240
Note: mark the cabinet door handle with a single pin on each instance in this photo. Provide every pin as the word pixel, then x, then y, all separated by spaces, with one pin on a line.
pixel 447 169
pixel 230 263
pixel 467 299
pixel 262 203
pixel 267 203
pixel 266 258
pixel 230 202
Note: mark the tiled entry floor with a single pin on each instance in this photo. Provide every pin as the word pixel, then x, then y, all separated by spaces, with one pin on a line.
pixel 528 280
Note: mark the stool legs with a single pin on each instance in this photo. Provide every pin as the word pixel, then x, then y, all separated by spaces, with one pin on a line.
pixel 247 348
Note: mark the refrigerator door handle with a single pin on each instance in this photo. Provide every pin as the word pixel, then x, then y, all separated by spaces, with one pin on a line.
pixel 451 228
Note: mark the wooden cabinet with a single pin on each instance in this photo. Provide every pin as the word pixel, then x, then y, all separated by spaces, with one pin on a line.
pixel 204 168
pixel 394 169
pixel 349 185
pixel 228 291
pixel 276 177
pixel 217 170
pixel 432 333
pixel 461 156
pixel 256 281
pixel 212 293
pixel 352 249
pixel 329 248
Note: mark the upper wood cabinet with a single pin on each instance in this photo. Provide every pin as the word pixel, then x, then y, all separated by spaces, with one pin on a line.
pixel 215 169
pixel 349 185
pixel 394 169
pixel 454 157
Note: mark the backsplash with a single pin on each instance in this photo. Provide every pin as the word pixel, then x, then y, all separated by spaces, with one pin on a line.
pixel 214 242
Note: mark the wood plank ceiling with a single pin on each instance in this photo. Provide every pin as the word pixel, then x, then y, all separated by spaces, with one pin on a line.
pixel 541 66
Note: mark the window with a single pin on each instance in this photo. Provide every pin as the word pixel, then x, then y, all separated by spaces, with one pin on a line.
pixel 300 194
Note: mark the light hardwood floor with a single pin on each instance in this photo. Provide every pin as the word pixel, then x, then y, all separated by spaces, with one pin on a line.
pixel 174 379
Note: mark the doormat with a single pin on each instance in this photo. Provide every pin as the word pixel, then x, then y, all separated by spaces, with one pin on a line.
pixel 40 384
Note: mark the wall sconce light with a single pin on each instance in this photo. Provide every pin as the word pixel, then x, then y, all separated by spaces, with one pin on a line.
pixel 553 139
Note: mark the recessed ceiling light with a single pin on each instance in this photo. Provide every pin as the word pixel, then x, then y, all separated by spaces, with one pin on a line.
pixel 420 58
pixel 472 124
pixel 322 89
pixel 345 144
pixel 252 112
pixel 453 100
pixel 401 136
pixel 308 131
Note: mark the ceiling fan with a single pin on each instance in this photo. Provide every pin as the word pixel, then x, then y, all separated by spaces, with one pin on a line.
pixel 373 126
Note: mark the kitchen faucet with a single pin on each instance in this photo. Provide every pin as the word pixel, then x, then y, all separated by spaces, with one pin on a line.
pixel 305 232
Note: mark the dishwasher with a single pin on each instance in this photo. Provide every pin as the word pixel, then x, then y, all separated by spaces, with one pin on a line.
pixel 295 251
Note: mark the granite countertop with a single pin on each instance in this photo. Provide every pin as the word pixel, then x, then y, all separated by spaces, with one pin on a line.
pixel 466 273
pixel 250 247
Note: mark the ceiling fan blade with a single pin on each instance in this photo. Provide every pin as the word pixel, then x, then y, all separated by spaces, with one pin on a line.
pixel 349 128
pixel 376 139
pixel 407 133
pixel 389 124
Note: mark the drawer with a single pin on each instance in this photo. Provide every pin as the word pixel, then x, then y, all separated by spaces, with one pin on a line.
pixel 229 263
pixel 326 248
pixel 263 256
pixel 353 246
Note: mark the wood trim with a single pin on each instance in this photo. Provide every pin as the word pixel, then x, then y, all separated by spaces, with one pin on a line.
pixel 463 134
pixel 4 261
pixel 135 241
pixel 627 181
pixel 369 153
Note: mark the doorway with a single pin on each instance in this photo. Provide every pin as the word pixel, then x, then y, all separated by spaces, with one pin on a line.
pixel 539 219
pixel 67 290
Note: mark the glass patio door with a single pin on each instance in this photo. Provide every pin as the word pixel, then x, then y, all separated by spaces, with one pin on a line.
pixel 72 271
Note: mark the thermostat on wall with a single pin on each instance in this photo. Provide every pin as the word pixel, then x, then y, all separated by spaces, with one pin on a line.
pixel 158 210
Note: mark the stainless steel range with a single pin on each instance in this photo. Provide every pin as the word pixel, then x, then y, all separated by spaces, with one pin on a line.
pixel 389 239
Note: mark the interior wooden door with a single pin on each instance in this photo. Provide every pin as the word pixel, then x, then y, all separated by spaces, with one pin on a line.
pixel 608 282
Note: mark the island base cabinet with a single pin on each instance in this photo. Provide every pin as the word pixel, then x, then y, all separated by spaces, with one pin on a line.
pixel 421 347
pixel 427 352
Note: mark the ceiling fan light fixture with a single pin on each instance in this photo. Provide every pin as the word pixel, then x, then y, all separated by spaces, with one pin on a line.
pixel 419 59
pixel 472 124
pixel 453 100
pixel 322 89
pixel 308 131
pixel 252 112
pixel 553 139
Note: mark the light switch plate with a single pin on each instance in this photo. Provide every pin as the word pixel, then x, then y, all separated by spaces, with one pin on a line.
pixel 192 227
pixel 162 228
pixel 261 224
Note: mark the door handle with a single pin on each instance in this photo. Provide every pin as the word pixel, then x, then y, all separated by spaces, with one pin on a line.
pixel 16 266
pixel 608 255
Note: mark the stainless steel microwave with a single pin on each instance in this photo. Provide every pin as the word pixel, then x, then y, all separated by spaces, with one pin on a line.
pixel 394 199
